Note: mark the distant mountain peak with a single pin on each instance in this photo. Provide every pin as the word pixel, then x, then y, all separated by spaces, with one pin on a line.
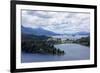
pixel 37 31
pixel 83 33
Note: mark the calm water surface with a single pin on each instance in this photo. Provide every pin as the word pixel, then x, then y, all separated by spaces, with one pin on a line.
pixel 72 52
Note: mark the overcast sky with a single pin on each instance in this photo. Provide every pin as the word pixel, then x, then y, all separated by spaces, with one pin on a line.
pixel 59 22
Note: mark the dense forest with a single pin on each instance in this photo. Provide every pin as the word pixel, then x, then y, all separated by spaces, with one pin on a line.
pixel 83 41
pixel 39 44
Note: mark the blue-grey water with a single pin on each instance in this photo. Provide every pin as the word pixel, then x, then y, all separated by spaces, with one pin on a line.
pixel 72 52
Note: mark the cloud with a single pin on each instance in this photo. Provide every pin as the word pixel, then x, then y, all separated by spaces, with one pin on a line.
pixel 59 22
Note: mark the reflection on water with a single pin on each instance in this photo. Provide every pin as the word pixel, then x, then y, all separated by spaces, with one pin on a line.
pixel 72 52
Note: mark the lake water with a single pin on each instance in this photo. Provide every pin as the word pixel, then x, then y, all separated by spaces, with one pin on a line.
pixel 72 52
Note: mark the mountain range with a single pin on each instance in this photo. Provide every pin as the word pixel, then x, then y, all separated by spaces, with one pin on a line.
pixel 37 31
pixel 41 31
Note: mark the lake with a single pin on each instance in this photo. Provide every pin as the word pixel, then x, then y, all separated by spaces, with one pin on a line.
pixel 72 52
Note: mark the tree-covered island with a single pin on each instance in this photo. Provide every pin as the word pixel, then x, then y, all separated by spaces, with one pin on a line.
pixel 40 45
